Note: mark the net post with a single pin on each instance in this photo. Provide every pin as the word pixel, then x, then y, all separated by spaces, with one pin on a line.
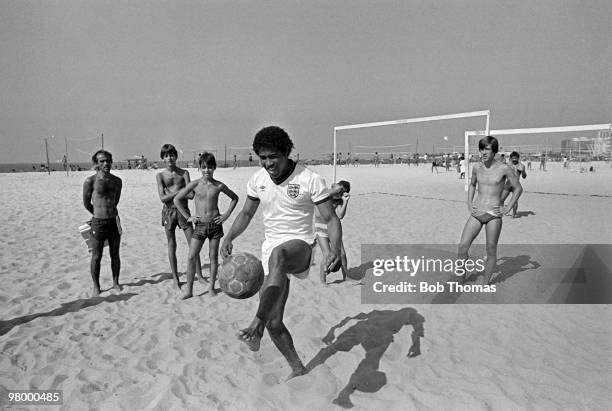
pixel 334 178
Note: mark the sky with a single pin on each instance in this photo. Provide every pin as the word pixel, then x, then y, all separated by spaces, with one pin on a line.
pixel 209 74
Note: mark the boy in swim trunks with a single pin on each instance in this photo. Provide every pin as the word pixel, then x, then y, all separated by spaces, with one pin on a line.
pixel 490 176
pixel 169 182
pixel 288 193
pixel 101 193
pixel 519 170
pixel 340 197
pixel 208 220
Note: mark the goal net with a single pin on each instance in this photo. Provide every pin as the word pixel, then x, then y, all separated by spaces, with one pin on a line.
pixel 397 141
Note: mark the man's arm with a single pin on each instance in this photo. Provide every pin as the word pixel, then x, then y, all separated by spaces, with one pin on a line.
pixel 342 211
pixel 517 189
pixel 87 192
pixel 334 228
pixel 242 221
pixel 187 179
pixel 119 187
pixel 523 172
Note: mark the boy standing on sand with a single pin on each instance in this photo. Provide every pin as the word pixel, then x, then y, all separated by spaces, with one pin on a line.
pixel 519 170
pixel 101 193
pixel 288 193
pixel 490 176
pixel 340 197
pixel 169 182
pixel 208 220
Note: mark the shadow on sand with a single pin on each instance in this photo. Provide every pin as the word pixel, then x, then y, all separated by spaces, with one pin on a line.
pixel 374 332
pixel 71 307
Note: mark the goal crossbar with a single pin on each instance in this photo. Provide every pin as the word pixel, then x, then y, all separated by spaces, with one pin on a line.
pixel 514 131
pixel 480 113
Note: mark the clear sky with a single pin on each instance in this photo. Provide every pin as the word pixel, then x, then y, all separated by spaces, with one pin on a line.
pixel 201 74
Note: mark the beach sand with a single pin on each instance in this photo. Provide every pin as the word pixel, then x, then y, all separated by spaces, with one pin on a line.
pixel 142 348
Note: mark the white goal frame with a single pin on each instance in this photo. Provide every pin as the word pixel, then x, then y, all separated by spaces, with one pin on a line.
pixel 480 113
pixel 511 131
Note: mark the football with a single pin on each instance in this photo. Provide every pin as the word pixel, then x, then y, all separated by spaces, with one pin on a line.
pixel 241 275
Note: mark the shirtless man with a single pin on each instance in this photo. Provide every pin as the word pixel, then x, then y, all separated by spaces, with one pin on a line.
pixel 169 182
pixel 288 193
pixel 101 193
pixel 519 170
pixel 207 220
pixel 490 176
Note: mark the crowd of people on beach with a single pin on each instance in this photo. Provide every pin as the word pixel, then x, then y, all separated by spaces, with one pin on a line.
pixel 299 211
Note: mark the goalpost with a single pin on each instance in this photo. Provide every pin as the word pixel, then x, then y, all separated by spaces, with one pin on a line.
pixel 481 113
pixel 514 131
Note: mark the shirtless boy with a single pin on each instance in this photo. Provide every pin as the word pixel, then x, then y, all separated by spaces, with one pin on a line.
pixel 490 176
pixel 340 197
pixel 208 220
pixel 101 193
pixel 169 182
pixel 519 170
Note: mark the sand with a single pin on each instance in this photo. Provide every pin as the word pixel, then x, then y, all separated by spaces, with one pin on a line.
pixel 142 348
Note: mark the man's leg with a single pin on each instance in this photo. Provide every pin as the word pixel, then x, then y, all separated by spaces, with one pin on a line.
pixel 113 246
pixel 194 250
pixel 96 256
pixel 470 231
pixel 292 256
pixel 344 263
pixel 170 236
pixel 198 267
pixel 492 230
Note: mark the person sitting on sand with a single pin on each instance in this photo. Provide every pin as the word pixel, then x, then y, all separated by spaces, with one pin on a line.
pixel 101 193
pixel 288 193
pixel 169 182
pixel 208 220
pixel 340 197
pixel 490 177
pixel 519 169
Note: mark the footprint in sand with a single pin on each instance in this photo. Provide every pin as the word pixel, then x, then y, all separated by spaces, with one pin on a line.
pixel 63 286
pixel 183 330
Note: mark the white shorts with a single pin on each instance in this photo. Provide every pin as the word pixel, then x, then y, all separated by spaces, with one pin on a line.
pixel 269 245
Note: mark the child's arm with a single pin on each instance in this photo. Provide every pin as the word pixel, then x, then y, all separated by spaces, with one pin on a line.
pixel 161 190
pixel 187 179
pixel 181 196
pixel 341 212
pixel 223 217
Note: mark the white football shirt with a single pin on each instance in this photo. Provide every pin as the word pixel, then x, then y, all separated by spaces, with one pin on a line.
pixel 288 207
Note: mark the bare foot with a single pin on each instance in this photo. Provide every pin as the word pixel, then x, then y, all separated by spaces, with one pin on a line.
pixel 177 285
pixel 117 287
pixel 296 373
pixel 185 295
pixel 200 277
pixel 212 292
pixel 95 292
pixel 252 337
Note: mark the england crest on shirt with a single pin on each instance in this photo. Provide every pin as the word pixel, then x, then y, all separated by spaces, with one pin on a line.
pixel 293 190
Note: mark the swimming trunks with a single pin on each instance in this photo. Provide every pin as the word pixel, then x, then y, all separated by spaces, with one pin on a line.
pixel 103 229
pixel 207 230
pixel 485 216
pixel 172 217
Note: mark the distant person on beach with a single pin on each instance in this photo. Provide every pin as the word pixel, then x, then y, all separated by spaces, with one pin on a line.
pixel 101 193
pixel 490 177
pixel 250 160
pixel 208 219
pixel 288 193
pixel 434 164
pixel 543 162
pixel 169 182
pixel 462 167
pixel 235 161
pixel 519 170
pixel 339 198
